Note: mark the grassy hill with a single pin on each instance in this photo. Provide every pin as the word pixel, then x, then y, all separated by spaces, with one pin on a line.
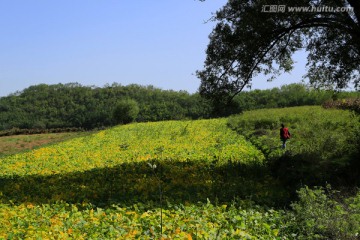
pixel 324 147
pixel 188 180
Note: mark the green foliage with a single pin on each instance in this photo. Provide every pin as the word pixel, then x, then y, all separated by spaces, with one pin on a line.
pixel 250 39
pixel 139 221
pixel 88 107
pixel 214 183
pixel 321 213
pixel 114 166
pixel 324 146
pixel 126 111
pixel 291 95
pixel 74 106
pixel 101 185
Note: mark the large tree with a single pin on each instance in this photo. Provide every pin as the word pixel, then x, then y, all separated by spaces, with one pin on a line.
pixel 254 37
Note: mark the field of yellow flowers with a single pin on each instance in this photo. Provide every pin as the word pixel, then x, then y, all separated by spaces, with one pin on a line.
pixel 201 179
pixel 178 141
pixel 142 180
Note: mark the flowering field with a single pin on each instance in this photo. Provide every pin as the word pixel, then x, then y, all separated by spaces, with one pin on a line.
pixel 179 141
pixel 188 180
pixel 109 185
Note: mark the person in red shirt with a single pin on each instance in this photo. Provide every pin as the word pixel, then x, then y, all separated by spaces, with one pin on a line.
pixel 284 135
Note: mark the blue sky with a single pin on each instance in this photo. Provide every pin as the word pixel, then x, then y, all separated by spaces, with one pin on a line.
pixel 95 42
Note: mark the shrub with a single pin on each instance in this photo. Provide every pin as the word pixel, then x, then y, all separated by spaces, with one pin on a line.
pixel 126 111
pixel 320 214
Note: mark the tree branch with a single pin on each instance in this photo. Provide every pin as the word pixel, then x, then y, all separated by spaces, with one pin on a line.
pixel 248 78
pixel 356 6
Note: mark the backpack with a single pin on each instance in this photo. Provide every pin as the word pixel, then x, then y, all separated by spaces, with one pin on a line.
pixel 286 133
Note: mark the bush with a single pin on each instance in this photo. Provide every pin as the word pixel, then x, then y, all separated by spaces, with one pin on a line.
pixel 126 111
pixel 321 214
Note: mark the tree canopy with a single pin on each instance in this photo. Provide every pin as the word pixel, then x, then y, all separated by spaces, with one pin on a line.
pixel 73 105
pixel 126 111
pixel 254 37
pixel 62 106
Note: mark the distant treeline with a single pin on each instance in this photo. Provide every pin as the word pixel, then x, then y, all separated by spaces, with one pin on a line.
pixel 89 107
pixel 72 105
pixel 291 95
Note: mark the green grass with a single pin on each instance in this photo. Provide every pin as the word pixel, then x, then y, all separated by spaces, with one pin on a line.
pixel 324 147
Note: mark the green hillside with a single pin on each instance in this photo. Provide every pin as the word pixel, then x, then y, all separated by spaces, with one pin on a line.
pixel 324 147
pixel 195 179
pixel 63 107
